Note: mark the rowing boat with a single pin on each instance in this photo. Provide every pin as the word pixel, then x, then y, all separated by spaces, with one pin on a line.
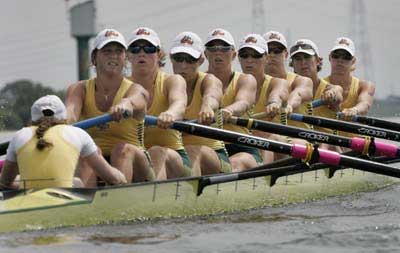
pixel 60 207
pixel 288 183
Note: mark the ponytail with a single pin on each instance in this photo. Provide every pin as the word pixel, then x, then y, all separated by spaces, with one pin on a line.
pixel 43 125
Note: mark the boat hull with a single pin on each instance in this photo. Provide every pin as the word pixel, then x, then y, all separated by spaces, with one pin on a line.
pixel 50 208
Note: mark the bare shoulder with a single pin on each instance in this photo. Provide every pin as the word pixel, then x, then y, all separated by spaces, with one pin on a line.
pixel 77 88
pixel 174 80
pixel 279 81
pixel 365 83
pixel 210 78
pixel 247 78
pixel 302 79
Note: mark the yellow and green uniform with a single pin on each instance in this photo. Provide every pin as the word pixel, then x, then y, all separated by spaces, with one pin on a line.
pixel 349 102
pixel 260 105
pixel 192 112
pixel 304 108
pixel 107 136
pixel 41 168
pixel 228 99
pixel 164 137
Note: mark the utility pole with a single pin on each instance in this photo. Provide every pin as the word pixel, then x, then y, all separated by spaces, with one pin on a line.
pixel 359 34
pixel 83 28
pixel 258 16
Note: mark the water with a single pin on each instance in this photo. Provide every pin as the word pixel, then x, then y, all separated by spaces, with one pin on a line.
pixel 363 222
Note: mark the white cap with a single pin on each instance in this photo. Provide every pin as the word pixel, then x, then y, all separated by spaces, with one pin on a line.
pixel 254 41
pixel 345 44
pixel 144 33
pixel 107 36
pixel 49 102
pixel 187 42
pixel 304 46
pixel 220 34
pixel 273 36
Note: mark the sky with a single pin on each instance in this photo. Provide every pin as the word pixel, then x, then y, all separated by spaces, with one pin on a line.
pixel 36 43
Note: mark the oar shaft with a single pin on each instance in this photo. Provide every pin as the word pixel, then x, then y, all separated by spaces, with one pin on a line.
pixel 347 126
pixel 308 153
pixel 376 122
pixel 355 143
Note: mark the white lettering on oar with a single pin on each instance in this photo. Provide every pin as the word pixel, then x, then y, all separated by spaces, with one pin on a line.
pixel 313 136
pixel 253 142
pixel 375 133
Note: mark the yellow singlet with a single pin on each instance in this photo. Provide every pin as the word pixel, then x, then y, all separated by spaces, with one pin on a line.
pixel 192 112
pixel 262 99
pixel 228 99
pixel 349 101
pixel 161 137
pixel 107 136
pixel 51 167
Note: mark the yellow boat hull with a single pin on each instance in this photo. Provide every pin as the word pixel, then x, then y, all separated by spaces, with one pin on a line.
pixel 49 208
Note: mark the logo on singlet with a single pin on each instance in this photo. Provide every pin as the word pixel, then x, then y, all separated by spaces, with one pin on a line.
pixel 186 40
pixel 111 33
pixel 251 39
pixel 218 32
pixel 142 31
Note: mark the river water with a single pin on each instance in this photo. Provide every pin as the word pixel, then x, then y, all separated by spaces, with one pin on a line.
pixel 362 222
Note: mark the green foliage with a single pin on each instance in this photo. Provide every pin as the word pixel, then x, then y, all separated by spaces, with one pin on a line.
pixel 16 99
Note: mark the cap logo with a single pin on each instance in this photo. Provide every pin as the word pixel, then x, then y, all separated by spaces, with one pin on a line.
pixel 187 40
pixel 345 42
pixel 274 36
pixel 142 31
pixel 111 33
pixel 218 32
pixel 251 39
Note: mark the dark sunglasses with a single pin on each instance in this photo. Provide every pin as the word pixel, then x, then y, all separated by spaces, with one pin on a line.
pixel 245 55
pixel 300 56
pixel 146 49
pixel 303 46
pixel 219 48
pixel 276 50
pixel 344 56
pixel 184 58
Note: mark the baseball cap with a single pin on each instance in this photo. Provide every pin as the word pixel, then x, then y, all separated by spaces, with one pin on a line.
pixel 345 44
pixel 144 33
pixel 273 36
pixel 187 42
pixel 220 34
pixel 107 36
pixel 254 41
pixel 304 46
pixel 48 102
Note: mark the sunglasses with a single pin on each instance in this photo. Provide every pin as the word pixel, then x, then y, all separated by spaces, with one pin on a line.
pixel 245 55
pixel 146 49
pixel 302 46
pixel 223 49
pixel 184 58
pixel 343 55
pixel 300 56
pixel 276 50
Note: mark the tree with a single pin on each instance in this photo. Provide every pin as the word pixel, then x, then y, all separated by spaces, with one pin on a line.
pixel 16 100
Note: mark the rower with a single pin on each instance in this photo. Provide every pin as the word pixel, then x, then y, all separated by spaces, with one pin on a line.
pixel 306 61
pixel 300 88
pixel 358 95
pixel 271 92
pixel 167 101
pixel 204 92
pixel 120 142
pixel 239 94
pixel 46 154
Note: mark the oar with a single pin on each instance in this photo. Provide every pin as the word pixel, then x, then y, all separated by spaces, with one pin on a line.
pixel 372 121
pixel 307 153
pixel 273 172
pixel 347 126
pixel 84 124
pixel 362 145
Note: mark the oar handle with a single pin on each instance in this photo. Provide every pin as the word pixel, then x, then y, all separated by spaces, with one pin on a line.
pixel 314 104
pixel 99 120
pixel 341 116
